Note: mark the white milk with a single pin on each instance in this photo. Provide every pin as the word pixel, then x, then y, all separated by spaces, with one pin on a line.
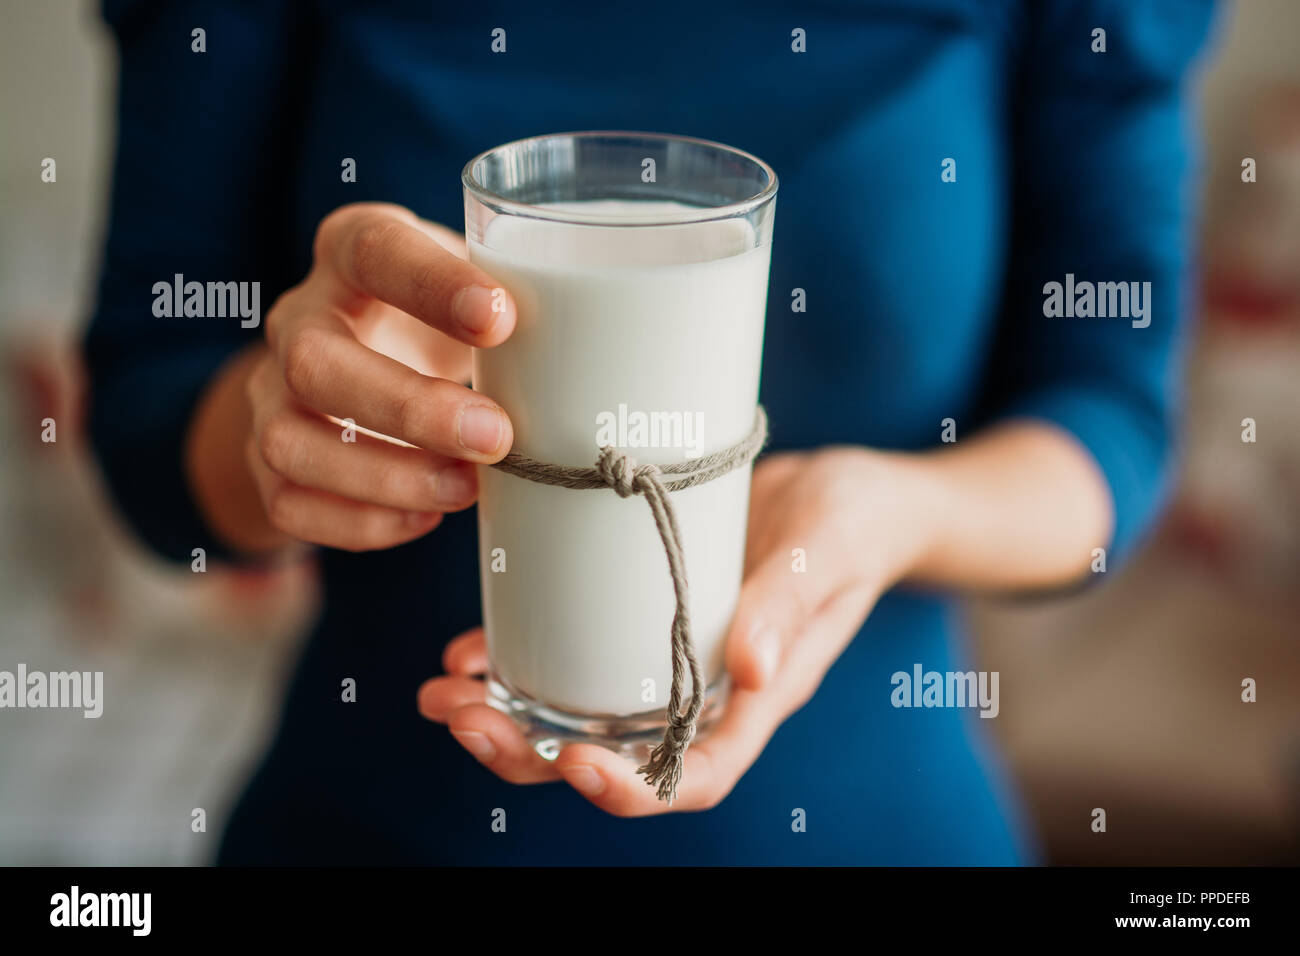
pixel 657 320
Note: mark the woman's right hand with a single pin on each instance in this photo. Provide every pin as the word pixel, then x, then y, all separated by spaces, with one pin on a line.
pixel 379 333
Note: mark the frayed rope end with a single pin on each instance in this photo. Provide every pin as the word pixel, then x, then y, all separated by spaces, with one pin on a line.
pixel 665 768
pixel 668 760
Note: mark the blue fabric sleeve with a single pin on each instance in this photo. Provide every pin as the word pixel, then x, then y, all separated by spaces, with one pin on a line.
pixel 204 139
pixel 1101 186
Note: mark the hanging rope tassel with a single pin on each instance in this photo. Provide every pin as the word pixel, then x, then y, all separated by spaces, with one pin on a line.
pixel 618 471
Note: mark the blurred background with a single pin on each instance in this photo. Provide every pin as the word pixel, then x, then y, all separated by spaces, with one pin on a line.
pixel 1125 697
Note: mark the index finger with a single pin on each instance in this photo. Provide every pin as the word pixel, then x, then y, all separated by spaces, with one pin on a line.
pixel 379 251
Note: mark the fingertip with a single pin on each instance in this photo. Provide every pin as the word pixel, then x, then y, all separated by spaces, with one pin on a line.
pixel 742 663
pixel 486 314
pixel 590 754
pixel 423 520
pixel 456 485
pixel 484 431
pixel 479 744
pixel 585 779
pixel 465 637
pixel 466 655
pixel 594 772
pixel 503 324
pixel 469 723
pixel 753 653
pixel 425 699
pixel 410 526
pixel 479 717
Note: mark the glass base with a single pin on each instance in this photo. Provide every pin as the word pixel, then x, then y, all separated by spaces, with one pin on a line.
pixel 633 735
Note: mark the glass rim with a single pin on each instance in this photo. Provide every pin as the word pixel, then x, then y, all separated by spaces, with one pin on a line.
pixel 503 205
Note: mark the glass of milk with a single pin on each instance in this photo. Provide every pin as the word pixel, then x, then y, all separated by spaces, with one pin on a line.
pixel 638 263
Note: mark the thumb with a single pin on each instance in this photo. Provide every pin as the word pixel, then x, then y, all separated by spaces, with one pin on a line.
pixel 777 600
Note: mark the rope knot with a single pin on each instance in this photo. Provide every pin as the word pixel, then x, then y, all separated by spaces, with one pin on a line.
pixel 620 471
pixel 680 733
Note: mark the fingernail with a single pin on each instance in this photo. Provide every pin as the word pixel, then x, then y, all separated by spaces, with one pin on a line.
pixel 477 744
pixel 766 644
pixel 473 308
pixel 454 486
pixel 479 429
pixel 584 779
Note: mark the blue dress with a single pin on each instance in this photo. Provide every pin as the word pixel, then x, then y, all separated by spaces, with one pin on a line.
pixel 925 302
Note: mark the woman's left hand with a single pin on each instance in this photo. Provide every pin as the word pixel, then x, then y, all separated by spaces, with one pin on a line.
pixel 829 532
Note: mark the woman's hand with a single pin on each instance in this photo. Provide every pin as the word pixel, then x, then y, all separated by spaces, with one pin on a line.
pixel 861 520
pixel 378 335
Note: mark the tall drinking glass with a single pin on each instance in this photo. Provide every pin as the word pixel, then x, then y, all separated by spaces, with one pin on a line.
pixel 638 263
